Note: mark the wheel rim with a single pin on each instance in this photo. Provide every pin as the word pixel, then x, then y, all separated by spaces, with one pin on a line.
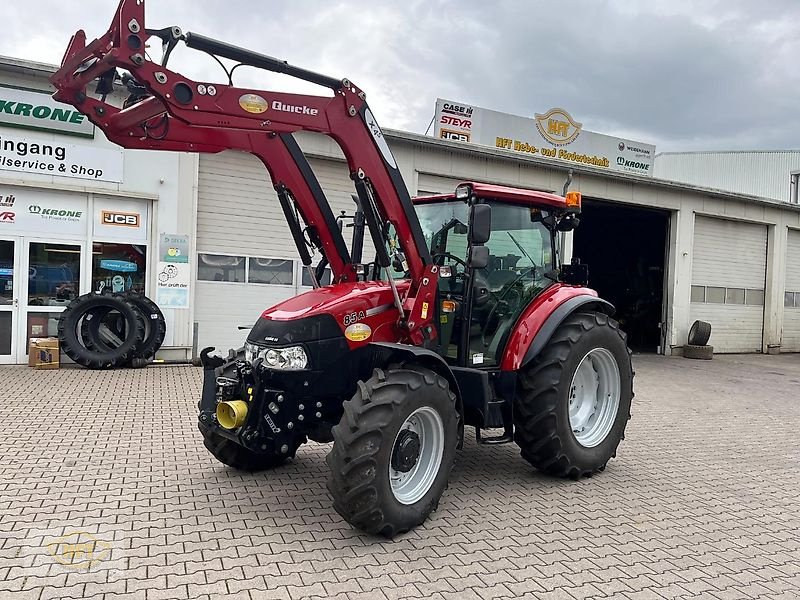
pixel 594 397
pixel 410 486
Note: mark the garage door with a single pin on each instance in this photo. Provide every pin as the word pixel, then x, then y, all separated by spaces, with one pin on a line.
pixel 247 259
pixel 790 341
pixel 428 185
pixel 728 275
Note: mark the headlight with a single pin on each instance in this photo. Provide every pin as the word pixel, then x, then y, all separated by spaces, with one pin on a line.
pixel 292 358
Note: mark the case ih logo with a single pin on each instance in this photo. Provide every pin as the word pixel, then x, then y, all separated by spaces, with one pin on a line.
pixel 120 218
pixel 7 201
pixel 457 110
pixel 7 217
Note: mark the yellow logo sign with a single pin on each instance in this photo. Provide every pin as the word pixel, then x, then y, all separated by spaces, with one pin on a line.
pixel 557 126
pixel 253 103
pixel 79 550
pixel 358 332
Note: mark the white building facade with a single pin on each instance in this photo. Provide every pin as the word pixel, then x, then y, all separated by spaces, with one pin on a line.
pixel 726 257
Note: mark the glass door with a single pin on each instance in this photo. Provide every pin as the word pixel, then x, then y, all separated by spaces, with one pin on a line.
pixel 54 280
pixel 9 297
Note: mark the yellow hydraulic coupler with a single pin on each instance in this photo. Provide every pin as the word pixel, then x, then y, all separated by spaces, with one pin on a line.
pixel 232 414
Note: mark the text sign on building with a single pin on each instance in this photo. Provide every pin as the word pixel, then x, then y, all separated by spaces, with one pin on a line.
pixel 174 275
pixel 552 135
pixel 38 110
pixel 32 155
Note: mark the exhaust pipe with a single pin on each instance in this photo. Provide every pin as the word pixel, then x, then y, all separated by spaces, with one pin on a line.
pixel 232 414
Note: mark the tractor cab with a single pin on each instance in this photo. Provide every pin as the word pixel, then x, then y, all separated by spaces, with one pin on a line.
pixel 496 252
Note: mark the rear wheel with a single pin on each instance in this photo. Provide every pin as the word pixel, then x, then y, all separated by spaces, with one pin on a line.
pixel 393 450
pixel 233 455
pixel 574 399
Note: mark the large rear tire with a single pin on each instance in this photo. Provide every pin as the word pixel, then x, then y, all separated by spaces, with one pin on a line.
pixel 574 400
pixel 393 450
pixel 237 457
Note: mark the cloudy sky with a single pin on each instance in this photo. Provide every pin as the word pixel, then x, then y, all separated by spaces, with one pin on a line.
pixel 682 74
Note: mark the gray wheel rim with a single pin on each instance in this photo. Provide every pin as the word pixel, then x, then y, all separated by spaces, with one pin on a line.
pixel 594 397
pixel 410 487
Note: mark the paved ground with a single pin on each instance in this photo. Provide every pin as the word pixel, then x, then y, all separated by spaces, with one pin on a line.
pixel 106 491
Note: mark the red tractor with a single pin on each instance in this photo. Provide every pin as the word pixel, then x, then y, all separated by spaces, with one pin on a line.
pixel 462 318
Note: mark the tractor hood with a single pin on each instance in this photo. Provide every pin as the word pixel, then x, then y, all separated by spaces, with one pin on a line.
pixel 337 300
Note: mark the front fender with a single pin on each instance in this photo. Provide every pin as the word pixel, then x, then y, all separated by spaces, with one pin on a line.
pixel 539 321
pixel 387 353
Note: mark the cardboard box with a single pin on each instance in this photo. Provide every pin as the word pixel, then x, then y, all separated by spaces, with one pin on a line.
pixel 44 353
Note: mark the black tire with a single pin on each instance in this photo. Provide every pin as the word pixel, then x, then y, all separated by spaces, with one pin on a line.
pixel 237 457
pixel 155 325
pixel 90 325
pixel 699 333
pixel 698 352
pixel 363 446
pixel 70 325
pixel 541 410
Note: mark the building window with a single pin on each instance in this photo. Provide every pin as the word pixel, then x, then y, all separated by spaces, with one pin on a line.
pixel 275 271
pixel 794 196
pixel 220 267
pixel 118 267
pixel 698 293
pixel 54 274
pixel 734 296
pixel 715 295
pixel 755 297
pixel 789 299
pixel 325 280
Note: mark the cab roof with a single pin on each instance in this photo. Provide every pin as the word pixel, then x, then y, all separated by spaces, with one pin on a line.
pixel 501 192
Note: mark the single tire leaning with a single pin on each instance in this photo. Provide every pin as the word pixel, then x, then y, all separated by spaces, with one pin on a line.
pixel 70 325
pixel 543 429
pixel 699 333
pixel 235 456
pixel 155 325
pixel 698 352
pixel 362 459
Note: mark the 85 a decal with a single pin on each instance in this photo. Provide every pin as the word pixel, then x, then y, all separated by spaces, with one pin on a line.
pixel 354 317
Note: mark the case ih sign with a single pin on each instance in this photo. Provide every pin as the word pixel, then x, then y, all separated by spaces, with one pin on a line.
pixel 552 135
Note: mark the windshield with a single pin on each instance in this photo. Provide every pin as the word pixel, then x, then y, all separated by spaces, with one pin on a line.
pixel 444 226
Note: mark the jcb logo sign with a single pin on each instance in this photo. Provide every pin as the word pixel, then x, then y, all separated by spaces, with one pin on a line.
pixel 120 218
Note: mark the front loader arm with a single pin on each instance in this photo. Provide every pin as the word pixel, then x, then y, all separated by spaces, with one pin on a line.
pixel 185 115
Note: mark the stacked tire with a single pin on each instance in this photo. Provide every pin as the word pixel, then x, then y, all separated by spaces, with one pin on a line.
pixel 698 347
pixel 104 331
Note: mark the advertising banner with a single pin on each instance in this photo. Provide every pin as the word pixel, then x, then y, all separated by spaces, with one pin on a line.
pixel 553 135
pixel 174 275
pixel 32 109
pixel 21 153
pixel 34 212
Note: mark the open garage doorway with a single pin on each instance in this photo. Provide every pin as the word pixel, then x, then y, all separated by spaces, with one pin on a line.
pixel 626 248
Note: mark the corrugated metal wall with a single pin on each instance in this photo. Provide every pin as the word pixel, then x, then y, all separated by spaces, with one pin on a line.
pixel 765 174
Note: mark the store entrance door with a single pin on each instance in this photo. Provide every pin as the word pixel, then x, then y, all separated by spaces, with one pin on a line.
pixel 10 284
pixel 53 280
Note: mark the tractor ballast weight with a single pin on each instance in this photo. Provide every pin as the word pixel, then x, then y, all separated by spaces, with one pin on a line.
pixel 463 317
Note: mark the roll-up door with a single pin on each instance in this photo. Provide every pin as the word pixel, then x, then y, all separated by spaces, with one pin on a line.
pixel 728 277
pixel 790 340
pixel 435 184
pixel 247 260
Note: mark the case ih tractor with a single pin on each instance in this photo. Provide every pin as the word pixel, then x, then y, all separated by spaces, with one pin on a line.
pixel 461 319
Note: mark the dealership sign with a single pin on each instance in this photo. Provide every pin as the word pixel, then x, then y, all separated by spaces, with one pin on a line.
pixel 37 110
pixel 552 135
pixel 64 160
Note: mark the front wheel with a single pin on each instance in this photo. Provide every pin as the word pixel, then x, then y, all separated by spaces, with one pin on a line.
pixel 574 400
pixel 393 450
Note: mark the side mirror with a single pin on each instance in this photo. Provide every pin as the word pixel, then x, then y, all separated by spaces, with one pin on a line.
pixel 478 257
pixel 480 224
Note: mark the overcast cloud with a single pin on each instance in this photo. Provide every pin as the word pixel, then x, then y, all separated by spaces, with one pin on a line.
pixel 717 75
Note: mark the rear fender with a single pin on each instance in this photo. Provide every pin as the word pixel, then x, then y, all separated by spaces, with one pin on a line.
pixel 559 315
pixel 542 317
pixel 387 353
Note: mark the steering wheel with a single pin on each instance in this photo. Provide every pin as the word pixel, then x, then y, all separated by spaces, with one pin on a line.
pixel 511 287
pixel 452 257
